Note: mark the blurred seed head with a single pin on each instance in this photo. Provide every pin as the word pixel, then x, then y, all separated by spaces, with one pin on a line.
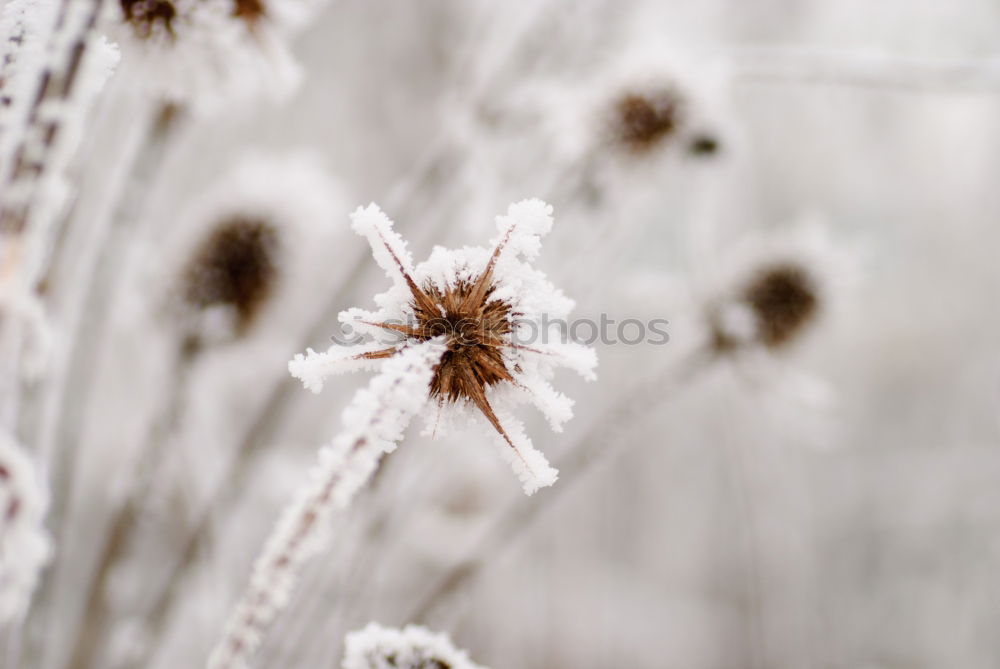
pixel 250 11
pixel 236 266
pixel 147 17
pixel 642 121
pixel 773 309
pixel 784 300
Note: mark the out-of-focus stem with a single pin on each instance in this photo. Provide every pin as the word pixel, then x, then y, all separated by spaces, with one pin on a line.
pixel 60 440
pixel 118 538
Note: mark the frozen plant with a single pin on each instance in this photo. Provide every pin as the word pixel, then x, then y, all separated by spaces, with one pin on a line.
pixel 483 304
pixel 413 647
pixel 25 546
pixel 458 315
pixel 209 52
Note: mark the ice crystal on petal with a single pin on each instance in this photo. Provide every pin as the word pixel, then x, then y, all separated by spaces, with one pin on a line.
pixel 482 303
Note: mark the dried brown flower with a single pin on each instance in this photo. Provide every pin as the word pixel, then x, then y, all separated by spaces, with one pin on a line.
pixel 475 327
pixel 250 11
pixel 144 15
pixel 784 299
pixel 235 266
pixel 642 120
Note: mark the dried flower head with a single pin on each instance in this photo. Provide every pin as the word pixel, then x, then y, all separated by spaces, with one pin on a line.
pixel 207 53
pixel 235 267
pixel 413 647
pixel 642 120
pixel 483 305
pixel 25 546
pixel 774 307
pixel 147 17
pixel 784 300
pixel 250 11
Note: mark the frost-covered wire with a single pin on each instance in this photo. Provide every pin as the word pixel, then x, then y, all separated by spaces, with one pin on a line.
pixel 372 424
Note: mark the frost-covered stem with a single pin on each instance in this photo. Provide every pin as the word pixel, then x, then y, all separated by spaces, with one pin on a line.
pixel 60 431
pixel 373 422
pixel 874 69
pixel 53 121
pixel 36 151
pixel 603 440
pixel 121 529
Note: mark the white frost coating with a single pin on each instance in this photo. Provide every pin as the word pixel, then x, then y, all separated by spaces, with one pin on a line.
pixel 532 469
pixel 313 368
pixel 413 647
pixel 531 358
pixel 556 406
pixel 210 56
pixel 525 224
pixel 373 422
pixel 23 30
pixel 25 546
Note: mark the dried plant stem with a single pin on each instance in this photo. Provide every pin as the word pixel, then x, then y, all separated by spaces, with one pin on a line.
pixel 261 598
pixel 34 163
pixel 124 523
pixel 60 438
pixel 600 442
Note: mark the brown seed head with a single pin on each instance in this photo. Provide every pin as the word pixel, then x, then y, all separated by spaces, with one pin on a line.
pixel 249 11
pixel 641 121
pixel 476 327
pixel 784 299
pixel 144 15
pixel 235 266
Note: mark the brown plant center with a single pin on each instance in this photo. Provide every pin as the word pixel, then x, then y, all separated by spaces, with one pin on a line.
pixel 235 266
pixel 784 300
pixel 642 121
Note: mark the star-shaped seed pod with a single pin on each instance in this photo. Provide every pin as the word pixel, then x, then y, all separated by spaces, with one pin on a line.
pixel 490 309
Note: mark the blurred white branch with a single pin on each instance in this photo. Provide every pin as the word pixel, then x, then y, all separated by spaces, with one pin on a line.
pixel 860 68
